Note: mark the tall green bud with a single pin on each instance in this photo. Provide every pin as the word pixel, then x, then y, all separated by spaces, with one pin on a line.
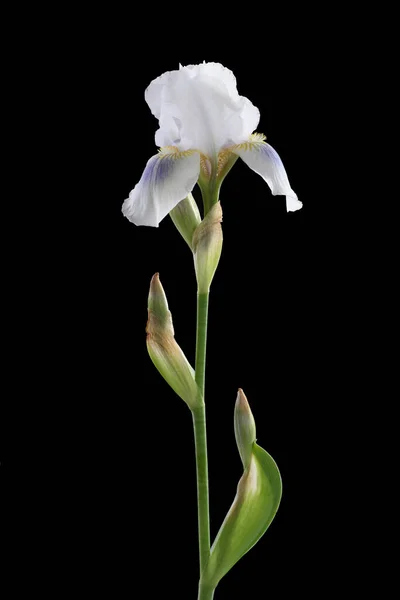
pixel 207 247
pixel 165 353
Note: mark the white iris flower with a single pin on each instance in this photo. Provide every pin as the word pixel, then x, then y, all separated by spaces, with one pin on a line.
pixel 204 126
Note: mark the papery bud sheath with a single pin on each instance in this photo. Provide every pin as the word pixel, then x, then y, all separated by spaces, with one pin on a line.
pixel 207 247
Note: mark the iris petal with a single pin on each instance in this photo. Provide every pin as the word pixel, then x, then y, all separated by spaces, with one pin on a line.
pixel 199 107
pixel 265 161
pixel 167 179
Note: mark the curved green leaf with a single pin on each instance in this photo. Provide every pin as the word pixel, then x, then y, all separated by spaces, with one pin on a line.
pixel 257 499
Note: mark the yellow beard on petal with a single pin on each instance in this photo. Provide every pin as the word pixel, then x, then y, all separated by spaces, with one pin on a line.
pixel 255 140
pixel 205 165
pixel 174 152
pixel 223 158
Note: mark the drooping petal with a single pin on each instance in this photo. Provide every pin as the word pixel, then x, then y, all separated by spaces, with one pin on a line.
pixel 265 161
pixel 199 107
pixel 167 179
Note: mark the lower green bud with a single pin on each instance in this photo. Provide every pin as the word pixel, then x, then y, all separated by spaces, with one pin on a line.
pixel 257 499
pixel 207 247
pixel 165 353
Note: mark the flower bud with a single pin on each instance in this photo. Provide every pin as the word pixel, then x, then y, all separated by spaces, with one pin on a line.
pixel 207 247
pixel 245 428
pixel 257 499
pixel 186 218
pixel 165 353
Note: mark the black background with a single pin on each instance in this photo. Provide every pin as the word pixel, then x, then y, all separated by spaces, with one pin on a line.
pixel 112 455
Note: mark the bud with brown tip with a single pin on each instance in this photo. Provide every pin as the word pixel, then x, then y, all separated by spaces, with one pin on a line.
pixel 165 353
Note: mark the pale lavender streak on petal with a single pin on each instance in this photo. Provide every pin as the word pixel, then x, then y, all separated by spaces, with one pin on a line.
pixel 165 181
pixel 271 154
pixel 149 170
pixel 265 161
pixel 279 180
pixel 164 168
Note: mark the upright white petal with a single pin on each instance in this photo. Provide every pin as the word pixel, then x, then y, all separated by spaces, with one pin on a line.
pixel 166 180
pixel 198 107
pixel 265 161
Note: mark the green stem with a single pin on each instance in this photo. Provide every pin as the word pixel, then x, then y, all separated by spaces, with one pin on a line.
pixel 201 339
pixel 200 436
pixel 205 593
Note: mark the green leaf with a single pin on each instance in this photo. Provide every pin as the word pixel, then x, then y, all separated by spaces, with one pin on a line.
pixel 257 500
